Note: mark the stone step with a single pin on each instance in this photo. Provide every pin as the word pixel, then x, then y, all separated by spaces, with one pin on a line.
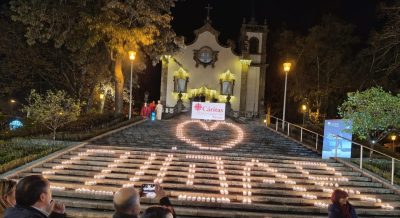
pixel 189 149
pixel 202 178
pixel 230 209
pixel 124 173
pixel 182 167
pixel 183 213
pixel 213 191
pixel 206 167
pixel 229 159
pixel 257 199
pixel 243 150
pixel 186 156
pixel 204 152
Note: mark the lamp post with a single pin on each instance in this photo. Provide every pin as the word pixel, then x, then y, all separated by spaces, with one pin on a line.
pixel 101 96
pixel 286 69
pixel 304 109
pixel 132 56
pixel 393 137
pixel 13 102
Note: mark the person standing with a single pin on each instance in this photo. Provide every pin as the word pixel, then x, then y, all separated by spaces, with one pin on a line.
pixel 159 110
pixel 7 194
pixel 152 106
pixel 340 207
pixel 145 112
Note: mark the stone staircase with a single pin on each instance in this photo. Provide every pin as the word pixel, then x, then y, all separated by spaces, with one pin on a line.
pixel 257 139
pixel 264 175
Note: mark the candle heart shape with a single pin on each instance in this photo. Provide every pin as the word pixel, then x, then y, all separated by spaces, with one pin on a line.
pixel 238 136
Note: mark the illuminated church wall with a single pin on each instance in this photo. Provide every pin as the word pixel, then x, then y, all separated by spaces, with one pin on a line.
pixel 204 76
pixel 248 66
pixel 252 89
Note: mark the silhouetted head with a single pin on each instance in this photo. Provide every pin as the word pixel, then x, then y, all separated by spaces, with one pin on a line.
pixel 127 201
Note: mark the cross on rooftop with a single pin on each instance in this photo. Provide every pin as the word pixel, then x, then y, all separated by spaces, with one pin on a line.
pixel 208 8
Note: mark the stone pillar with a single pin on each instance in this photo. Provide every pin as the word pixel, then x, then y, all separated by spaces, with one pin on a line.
pixel 243 84
pixel 164 79
pixel 228 106
pixel 179 104
pixel 263 74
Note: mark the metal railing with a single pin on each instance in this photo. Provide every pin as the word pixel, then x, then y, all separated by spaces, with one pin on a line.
pixel 245 114
pixel 169 110
pixel 314 139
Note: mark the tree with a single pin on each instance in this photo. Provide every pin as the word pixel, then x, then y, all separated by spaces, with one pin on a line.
pixel 114 26
pixel 42 67
pixel 321 63
pixel 53 110
pixel 374 113
pixel 21 66
pixel 380 62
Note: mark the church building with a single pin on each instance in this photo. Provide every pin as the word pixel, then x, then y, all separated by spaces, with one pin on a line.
pixel 208 70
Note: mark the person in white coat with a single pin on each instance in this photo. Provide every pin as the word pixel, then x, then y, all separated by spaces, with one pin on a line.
pixel 159 110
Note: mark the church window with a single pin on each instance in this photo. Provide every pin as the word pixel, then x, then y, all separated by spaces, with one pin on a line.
pixel 254 43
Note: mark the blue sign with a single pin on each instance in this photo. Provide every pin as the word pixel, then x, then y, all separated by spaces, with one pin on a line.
pixel 153 116
pixel 337 140
pixel 15 124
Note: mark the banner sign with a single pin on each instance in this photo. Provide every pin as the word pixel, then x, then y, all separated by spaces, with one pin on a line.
pixel 208 111
pixel 335 146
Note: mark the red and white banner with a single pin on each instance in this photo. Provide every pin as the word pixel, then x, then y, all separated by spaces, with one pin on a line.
pixel 208 111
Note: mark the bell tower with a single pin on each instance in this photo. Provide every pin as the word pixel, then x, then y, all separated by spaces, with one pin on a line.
pixel 253 46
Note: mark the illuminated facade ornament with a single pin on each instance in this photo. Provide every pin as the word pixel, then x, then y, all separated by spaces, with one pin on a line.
pixel 227 82
pixel 245 62
pixel 205 56
pixel 181 79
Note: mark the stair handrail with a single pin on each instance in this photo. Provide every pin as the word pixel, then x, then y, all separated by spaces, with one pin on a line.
pixel 317 136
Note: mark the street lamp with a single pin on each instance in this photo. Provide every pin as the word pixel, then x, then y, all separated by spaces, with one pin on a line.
pixel 132 56
pixel 13 102
pixel 286 69
pixel 393 137
pixel 101 96
pixel 304 109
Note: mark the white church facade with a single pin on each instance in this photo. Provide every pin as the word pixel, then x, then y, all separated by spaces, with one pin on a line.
pixel 207 70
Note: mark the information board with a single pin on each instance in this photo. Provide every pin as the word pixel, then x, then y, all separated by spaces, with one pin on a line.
pixel 208 111
pixel 337 140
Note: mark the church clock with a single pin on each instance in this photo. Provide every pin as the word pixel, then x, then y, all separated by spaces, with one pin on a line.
pixel 205 56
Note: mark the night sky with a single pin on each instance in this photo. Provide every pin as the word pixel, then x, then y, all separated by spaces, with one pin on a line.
pixel 297 15
pixel 227 17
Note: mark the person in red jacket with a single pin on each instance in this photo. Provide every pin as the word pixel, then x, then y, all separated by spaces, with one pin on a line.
pixel 152 106
pixel 145 111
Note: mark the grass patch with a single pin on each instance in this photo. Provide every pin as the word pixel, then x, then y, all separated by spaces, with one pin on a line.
pixel 19 152
pixel 13 155
pixel 84 135
pixel 382 168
